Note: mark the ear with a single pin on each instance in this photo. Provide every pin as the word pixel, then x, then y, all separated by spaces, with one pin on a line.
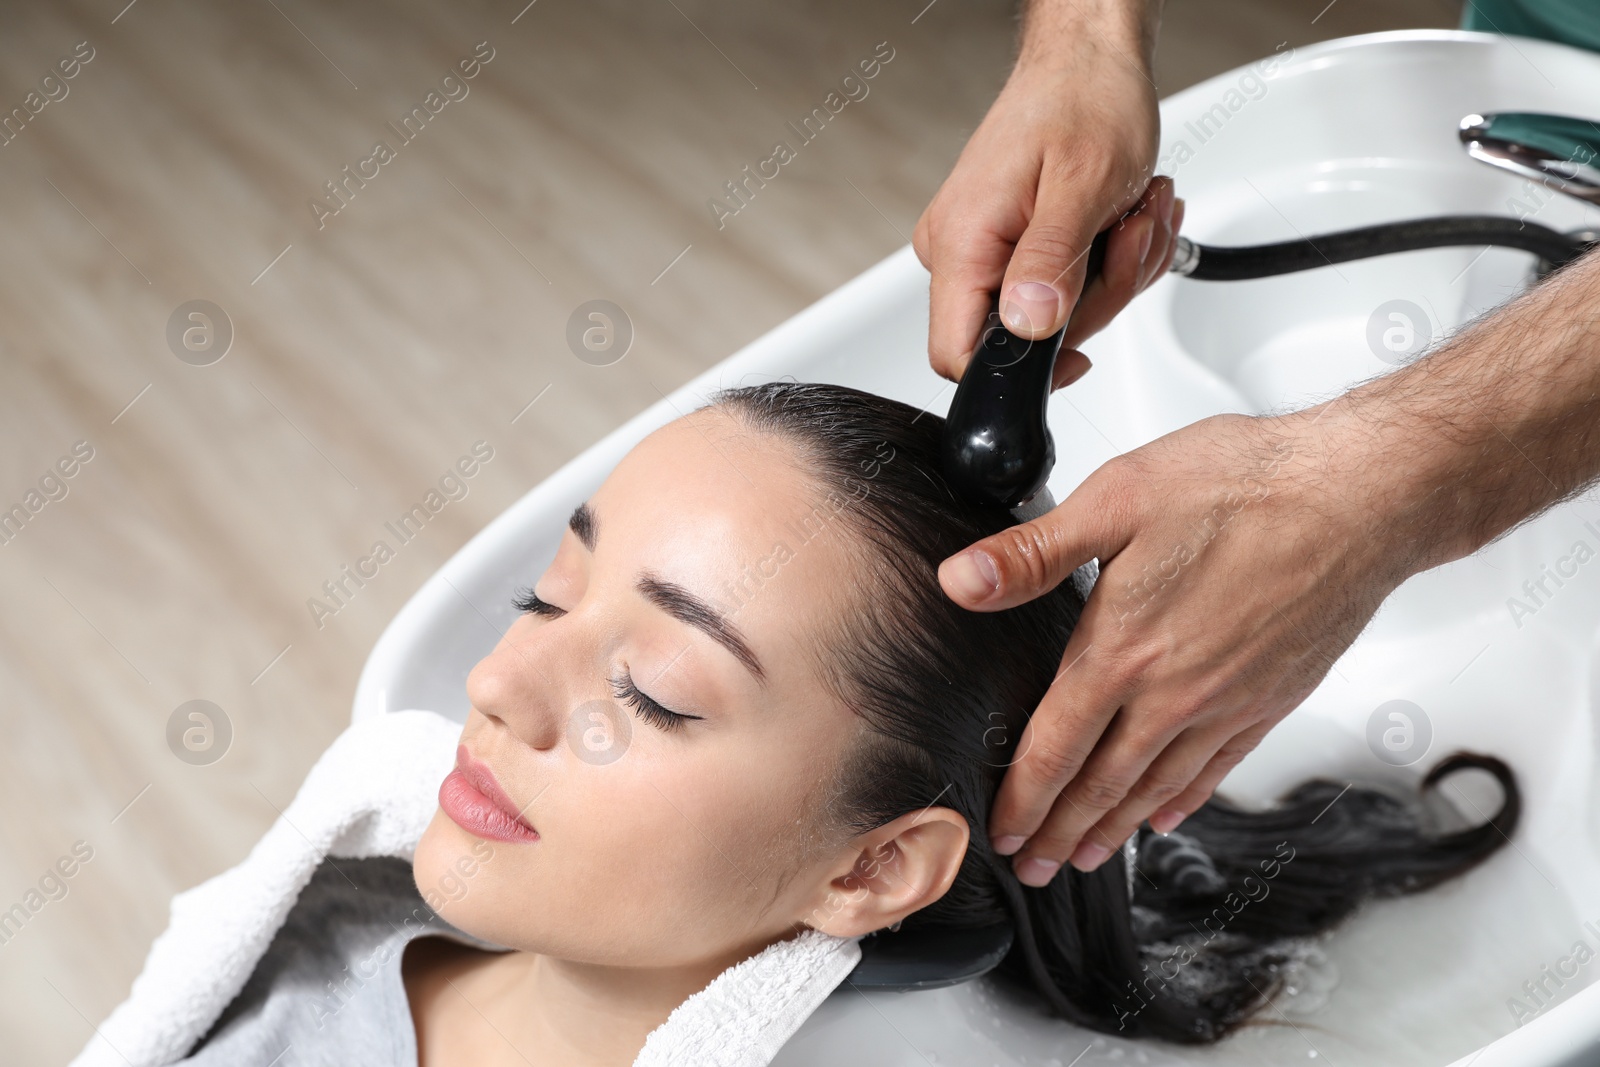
pixel 886 874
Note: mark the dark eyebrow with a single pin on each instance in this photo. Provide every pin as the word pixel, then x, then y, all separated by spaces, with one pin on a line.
pixel 582 523
pixel 683 605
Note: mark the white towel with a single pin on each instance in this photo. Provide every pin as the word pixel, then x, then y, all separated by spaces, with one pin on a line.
pixel 372 793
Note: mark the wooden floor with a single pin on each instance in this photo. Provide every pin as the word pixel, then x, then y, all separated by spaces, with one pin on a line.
pixel 371 348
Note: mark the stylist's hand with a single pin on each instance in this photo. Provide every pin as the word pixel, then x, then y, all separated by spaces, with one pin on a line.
pixel 1232 576
pixel 1065 151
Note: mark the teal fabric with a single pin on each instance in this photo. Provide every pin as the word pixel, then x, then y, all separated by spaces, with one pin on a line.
pixel 1574 22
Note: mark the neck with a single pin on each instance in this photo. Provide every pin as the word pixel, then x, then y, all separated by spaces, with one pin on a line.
pixel 602 1015
pixel 590 1015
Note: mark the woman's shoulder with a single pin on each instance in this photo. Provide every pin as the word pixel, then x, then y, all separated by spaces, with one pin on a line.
pixel 371 793
pixel 328 982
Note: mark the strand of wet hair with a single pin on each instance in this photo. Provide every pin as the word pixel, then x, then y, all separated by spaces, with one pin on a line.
pixel 1017 905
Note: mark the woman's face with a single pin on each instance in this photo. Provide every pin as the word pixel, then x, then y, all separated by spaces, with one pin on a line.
pixel 707 576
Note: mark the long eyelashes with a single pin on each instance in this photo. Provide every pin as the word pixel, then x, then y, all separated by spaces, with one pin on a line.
pixel 528 602
pixel 648 709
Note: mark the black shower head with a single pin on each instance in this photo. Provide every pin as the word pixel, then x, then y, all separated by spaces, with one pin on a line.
pixel 997 445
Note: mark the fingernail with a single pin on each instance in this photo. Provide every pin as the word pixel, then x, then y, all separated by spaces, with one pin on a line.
pixel 1008 844
pixel 1029 305
pixel 1168 199
pixel 1166 820
pixel 1089 856
pixel 972 575
pixel 1144 242
pixel 1177 215
pixel 1037 872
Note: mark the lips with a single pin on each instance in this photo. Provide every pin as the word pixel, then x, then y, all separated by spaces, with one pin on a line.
pixel 474 799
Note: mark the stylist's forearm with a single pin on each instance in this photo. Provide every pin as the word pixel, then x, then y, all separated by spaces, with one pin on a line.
pixel 1094 50
pixel 1054 30
pixel 1492 428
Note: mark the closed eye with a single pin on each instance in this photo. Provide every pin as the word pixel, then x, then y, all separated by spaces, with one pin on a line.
pixel 528 602
pixel 649 710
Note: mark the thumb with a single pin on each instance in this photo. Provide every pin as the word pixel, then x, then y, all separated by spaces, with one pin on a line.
pixel 1046 273
pixel 1028 560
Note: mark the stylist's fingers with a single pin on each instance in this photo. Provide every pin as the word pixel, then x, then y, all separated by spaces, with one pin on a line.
pixel 1030 559
pixel 1070 366
pixel 1123 754
pixel 1057 741
pixel 1139 249
pixel 1174 811
pixel 1169 775
pixel 1046 272
pixel 1175 228
pixel 1161 203
pixel 965 261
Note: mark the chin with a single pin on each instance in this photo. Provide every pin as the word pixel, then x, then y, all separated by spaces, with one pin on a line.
pixel 473 884
pixel 449 866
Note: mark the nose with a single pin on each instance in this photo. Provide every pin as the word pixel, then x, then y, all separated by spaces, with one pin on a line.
pixel 523 684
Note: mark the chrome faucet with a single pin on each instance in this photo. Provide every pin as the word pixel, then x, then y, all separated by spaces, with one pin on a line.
pixel 1558 150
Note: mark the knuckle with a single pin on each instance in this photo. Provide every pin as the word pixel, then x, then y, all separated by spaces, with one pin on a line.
pixel 1100 172
pixel 1097 792
pixel 1229 755
pixel 1160 784
pixel 1120 485
pixel 1028 552
pixel 1054 764
pixel 1152 192
pixel 1129 665
pixel 1049 242
pixel 1189 710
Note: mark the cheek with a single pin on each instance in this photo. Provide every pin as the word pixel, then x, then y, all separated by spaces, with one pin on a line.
pixel 725 832
pixel 662 858
pixel 716 851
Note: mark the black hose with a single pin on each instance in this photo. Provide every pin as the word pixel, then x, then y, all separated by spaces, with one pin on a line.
pixel 1555 249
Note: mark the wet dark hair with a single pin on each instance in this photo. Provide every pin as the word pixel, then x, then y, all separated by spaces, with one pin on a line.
pixel 946 692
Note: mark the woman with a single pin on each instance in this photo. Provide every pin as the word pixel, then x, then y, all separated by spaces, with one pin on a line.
pixel 738 706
